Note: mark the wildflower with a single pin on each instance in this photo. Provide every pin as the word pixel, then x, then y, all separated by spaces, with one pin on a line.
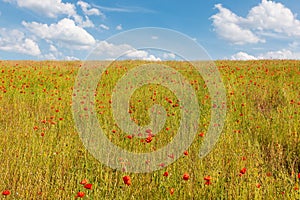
pixel 186 153
pixel 207 180
pixel 80 194
pixel 172 191
pixel 242 171
pixel 6 192
pixel 166 174
pixel 201 134
pixel 148 139
pixel 127 180
pixel 186 176
pixel 83 182
pixel 88 186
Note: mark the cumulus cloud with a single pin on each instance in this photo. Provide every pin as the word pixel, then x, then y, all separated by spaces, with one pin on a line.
pixel 87 23
pixel 71 58
pixel 15 41
pixel 54 8
pixel 230 27
pixel 49 8
pixel 106 50
pixel 275 17
pixel 169 56
pixel 86 8
pixel 65 32
pixel 242 56
pixel 52 48
pixel 102 26
pixel 141 55
pixel 109 50
pixel 280 54
pixel 266 19
pixel 119 27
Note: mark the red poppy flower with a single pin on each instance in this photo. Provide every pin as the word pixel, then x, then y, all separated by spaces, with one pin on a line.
pixel 299 175
pixel 172 191
pixel 207 178
pixel 88 186
pixel 127 180
pixel 186 153
pixel 80 194
pixel 148 139
pixel 207 183
pixel 83 182
pixel 166 174
pixel 186 176
pixel 6 192
pixel 243 171
pixel 201 134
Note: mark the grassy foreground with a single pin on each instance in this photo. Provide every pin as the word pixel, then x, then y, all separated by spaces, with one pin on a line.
pixel 256 157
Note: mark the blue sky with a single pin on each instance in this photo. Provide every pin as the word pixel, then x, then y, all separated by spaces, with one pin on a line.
pixel 67 30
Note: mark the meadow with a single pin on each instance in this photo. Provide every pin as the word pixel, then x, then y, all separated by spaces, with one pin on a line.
pixel 256 156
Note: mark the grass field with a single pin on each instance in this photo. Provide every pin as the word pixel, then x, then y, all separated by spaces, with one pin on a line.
pixel 256 157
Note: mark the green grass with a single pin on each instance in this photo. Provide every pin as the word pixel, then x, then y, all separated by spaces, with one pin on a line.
pixel 261 134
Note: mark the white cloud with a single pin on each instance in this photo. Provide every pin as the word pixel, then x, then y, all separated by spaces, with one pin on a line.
pixel 280 54
pixel 71 58
pixel 49 8
pixel 154 37
pixel 242 56
pixel 65 32
pixel 15 41
pixel 85 24
pixel 119 27
pixel 151 58
pixel 269 19
pixel 104 27
pixel 52 48
pixel 275 17
pixel 111 51
pixel 49 56
pixel 86 8
pixel 169 56
pixel 53 8
pixel 228 26
pixel 141 55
